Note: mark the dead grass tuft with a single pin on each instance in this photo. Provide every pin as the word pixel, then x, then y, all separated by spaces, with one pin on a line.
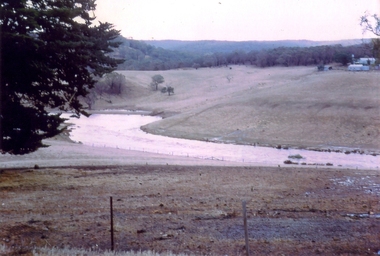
pixel 46 251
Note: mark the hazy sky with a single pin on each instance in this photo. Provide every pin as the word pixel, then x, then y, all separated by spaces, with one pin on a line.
pixel 237 20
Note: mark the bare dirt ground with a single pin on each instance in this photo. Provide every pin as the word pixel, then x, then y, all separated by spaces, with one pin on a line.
pixel 185 205
pixel 198 210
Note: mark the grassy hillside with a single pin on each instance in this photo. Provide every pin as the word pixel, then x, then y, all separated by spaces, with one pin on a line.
pixel 296 107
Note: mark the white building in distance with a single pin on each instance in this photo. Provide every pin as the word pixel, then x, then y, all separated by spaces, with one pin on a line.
pixel 366 61
pixel 357 67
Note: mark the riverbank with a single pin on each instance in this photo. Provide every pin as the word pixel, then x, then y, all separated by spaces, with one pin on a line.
pixel 61 153
pixel 123 132
pixel 100 133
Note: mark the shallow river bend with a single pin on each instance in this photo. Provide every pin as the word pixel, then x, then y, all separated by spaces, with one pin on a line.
pixel 123 131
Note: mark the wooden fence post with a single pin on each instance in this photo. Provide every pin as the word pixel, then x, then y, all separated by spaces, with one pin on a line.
pixel 111 208
pixel 245 228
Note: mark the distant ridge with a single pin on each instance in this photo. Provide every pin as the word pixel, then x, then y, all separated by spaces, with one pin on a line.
pixel 213 46
pixel 174 54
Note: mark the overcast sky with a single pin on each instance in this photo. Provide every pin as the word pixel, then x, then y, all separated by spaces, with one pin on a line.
pixel 237 20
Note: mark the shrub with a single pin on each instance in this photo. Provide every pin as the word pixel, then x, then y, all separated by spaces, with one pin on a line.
pixel 111 83
pixel 289 162
pixel 298 156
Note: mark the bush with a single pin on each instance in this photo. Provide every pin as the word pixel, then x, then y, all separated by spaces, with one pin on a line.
pixel 298 156
pixel 289 162
pixel 111 83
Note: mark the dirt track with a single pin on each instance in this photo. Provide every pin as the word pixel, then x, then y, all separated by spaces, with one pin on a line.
pixel 194 209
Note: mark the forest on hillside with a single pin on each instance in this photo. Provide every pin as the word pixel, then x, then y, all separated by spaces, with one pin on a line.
pixel 139 55
pixel 211 46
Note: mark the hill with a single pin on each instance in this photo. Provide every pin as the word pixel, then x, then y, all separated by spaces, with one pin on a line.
pixel 212 46
pixel 169 54
pixel 294 107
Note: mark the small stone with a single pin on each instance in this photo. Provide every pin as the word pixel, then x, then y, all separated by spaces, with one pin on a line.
pixel 319 251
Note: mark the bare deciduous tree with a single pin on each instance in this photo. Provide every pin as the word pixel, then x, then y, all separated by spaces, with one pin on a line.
pixel 90 99
pixel 111 83
pixel 370 23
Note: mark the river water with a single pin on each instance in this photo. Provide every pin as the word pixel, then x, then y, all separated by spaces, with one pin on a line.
pixel 123 131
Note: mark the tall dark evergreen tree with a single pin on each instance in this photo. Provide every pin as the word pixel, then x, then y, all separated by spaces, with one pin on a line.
pixel 51 54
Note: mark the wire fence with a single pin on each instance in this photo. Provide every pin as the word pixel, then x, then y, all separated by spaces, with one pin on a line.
pixel 231 157
pixel 269 156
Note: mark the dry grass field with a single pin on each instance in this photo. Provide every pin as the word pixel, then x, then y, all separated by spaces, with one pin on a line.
pixel 297 107
pixel 191 206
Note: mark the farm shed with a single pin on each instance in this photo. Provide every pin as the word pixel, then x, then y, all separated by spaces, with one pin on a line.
pixel 357 67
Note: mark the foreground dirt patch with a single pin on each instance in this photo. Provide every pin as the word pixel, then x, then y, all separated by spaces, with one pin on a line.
pixel 193 209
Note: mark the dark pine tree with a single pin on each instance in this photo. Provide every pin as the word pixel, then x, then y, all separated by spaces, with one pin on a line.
pixel 51 54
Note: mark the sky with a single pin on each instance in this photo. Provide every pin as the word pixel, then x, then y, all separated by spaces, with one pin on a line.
pixel 237 20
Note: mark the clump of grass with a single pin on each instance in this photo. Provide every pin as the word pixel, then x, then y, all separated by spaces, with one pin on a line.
pixel 298 156
pixel 45 251
pixel 289 162
pixel 4 250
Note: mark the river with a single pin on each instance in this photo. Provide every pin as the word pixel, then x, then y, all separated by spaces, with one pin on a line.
pixel 123 131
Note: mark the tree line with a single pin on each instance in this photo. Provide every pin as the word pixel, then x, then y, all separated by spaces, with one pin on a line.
pixel 142 56
pixel 212 46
